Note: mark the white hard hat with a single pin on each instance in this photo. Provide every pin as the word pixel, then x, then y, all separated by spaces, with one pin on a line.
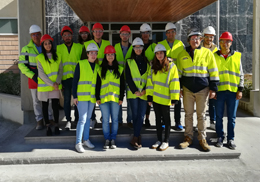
pixel 145 27
pixel 159 47
pixel 34 29
pixel 169 26
pixel 138 41
pixel 194 31
pixel 209 30
pixel 92 47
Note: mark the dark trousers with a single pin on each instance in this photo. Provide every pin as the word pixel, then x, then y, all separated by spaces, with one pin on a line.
pixel 67 84
pixel 55 108
pixel 177 112
pixel 162 112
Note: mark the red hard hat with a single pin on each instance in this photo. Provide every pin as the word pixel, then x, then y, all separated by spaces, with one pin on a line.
pixel 46 37
pixel 66 28
pixel 109 49
pixel 84 29
pixel 97 26
pixel 125 28
pixel 226 35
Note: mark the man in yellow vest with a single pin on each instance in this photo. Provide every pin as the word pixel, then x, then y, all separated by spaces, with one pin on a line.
pixel 28 66
pixel 208 38
pixel 149 46
pixel 173 48
pixel 198 74
pixel 70 55
pixel 230 88
pixel 98 32
pixel 123 52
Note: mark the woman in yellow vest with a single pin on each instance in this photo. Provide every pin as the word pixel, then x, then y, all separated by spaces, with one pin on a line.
pixel 136 71
pixel 50 74
pixel 84 96
pixel 110 87
pixel 163 90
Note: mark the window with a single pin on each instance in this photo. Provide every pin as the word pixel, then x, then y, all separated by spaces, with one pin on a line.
pixel 8 26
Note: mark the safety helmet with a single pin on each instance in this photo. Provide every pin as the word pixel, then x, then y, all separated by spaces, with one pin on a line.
pixel 46 37
pixel 109 50
pixel 97 26
pixel 227 36
pixel 138 41
pixel 34 29
pixel 66 28
pixel 84 29
pixel 92 47
pixel 159 47
pixel 194 31
pixel 169 26
pixel 145 27
pixel 125 28
pixel 209 30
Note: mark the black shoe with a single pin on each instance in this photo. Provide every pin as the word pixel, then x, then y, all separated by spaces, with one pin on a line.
pixel 231 144
pixel 147 123
pixel 48 131
pixel 57 130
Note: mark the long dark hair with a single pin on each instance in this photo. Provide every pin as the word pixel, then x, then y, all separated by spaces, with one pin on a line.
pixel 157 66
pixel 81 41
pixel 53 52
pixel 133 55
pixel 104 68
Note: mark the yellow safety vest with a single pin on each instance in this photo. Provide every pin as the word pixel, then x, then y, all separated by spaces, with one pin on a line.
pixel 202 65
pixel 140 81
pixel 164 86
pixel 149 52
pixel 51 70
pixel 69 60
pixel 87 81
pixel 229 71
pixel 31 52
pixel 110 86
pixel 173 52
pixel 101 49
pixel 120 56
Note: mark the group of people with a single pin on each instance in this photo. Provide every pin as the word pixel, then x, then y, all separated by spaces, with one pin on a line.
pixel 150 74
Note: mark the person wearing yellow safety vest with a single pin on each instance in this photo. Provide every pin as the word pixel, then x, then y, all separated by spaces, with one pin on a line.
pixel 70 55
pixel 136 72
pixel 109 91
pixel 84 95
pixel 163 90
pixel 50 73
pixel 173 48
pixel 198 78
pixel 230 88
pixel 97 31
pixel 123 52
pixel 145 31
pixel 28 66
pixel 208 38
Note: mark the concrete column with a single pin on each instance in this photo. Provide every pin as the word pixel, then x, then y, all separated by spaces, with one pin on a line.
pixel 255 94
pixel 29 12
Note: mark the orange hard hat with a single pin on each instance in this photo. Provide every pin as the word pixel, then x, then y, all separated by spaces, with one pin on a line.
pixel 109 49
pixel 125 28
pixel 97 26
pixel 84 29
pixel 46 37
pixel 66 28
pixel 227 36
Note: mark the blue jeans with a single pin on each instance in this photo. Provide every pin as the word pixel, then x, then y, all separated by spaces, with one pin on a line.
pixel 228 98
pixel 212 110
pixel 85 111
pixel 138 107
pixel 107 109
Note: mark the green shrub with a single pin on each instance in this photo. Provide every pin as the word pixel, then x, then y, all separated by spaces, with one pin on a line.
pixel 247 87
pixel 10 83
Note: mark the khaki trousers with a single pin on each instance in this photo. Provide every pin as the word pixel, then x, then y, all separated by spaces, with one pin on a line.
pixel 200 98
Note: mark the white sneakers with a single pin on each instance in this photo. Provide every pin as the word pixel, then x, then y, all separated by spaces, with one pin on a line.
pixel 106 146
pixel 156 145
pixel 92 123
pixel 164 146
pixel 80 149
pixel 113 144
